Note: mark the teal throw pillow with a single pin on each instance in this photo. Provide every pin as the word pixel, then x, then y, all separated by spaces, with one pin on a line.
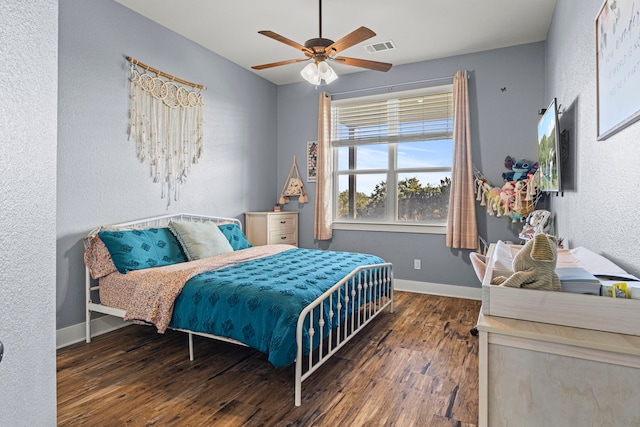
pixel 235 236
pixel 140 249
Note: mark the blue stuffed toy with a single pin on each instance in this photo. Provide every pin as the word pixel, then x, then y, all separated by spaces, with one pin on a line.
pixel 519 170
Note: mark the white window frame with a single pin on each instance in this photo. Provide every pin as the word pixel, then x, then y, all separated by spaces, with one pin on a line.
pixel 391 224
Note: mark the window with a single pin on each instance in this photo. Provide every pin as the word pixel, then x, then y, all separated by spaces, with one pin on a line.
pixel 392 157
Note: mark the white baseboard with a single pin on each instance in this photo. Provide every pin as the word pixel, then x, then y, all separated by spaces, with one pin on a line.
pixel 76 333
pixel 465 292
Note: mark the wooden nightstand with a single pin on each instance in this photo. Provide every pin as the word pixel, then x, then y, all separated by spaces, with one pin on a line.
pixel 268 228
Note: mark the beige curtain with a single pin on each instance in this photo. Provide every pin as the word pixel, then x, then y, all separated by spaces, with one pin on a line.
pixel 462 230
pixel 322 225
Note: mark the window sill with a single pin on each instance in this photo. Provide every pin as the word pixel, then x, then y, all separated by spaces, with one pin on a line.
pixel 393 228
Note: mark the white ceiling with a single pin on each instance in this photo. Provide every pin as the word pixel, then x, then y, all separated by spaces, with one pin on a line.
pixel 420 29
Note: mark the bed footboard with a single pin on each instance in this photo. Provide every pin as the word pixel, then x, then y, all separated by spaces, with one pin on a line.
pixel 349 305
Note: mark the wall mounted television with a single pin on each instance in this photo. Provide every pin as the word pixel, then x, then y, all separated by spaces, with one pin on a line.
pixel 549 150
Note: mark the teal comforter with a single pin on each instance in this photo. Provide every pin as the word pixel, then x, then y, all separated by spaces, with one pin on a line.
pixel 258 302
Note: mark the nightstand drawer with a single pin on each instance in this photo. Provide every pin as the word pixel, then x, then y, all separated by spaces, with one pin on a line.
pixel 288 238
pixel 286 222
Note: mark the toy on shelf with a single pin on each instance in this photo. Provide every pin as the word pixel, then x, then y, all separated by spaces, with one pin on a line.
pixel 517 197
pixel 518 170
pixel 537 222
pixel 293 186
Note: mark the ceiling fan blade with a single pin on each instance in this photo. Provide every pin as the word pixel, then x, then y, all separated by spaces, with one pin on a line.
pixel 285 40
pixel 277 64
pixel 364 63
pixel 354 37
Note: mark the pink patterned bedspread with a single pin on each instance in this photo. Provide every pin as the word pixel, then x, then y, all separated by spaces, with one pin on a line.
pixel 148 295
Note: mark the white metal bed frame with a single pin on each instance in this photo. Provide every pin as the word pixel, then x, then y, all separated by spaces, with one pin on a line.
pixel 351 318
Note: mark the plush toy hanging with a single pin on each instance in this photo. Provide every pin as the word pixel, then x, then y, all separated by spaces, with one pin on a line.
pixel 293 186
pixel 518 195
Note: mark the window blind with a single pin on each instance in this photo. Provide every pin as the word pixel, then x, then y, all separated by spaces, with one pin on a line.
pixel 397 119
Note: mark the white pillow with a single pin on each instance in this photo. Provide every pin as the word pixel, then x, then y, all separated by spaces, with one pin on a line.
pixel 200 239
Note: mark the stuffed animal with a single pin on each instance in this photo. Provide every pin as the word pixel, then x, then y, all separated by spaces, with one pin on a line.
pixel 507 194
pixel 518 170
pixel 294 188
pixel 523 168
pixel 492 197
pixel 521 206
pixel 534 266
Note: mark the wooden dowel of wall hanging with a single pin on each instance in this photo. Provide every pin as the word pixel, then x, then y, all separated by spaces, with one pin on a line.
pixel 161 73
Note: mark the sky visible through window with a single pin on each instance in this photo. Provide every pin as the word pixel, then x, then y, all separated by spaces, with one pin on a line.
pixel 419 154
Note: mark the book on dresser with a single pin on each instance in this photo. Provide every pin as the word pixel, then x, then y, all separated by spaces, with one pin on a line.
pixel 578 280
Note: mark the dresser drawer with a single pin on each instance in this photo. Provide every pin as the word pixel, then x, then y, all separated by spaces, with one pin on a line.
pixel 283 222
pixel 288 238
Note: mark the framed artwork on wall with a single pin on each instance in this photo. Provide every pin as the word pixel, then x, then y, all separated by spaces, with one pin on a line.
pixel 312 160
pixel 617 66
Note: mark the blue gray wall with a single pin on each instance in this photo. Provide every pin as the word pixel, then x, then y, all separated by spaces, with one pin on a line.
pixel 28 78
pixel 599 210
pixel 252 130
pixel 100 180
pixel 503 123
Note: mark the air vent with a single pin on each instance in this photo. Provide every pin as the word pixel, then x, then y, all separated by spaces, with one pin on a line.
pixel 379 47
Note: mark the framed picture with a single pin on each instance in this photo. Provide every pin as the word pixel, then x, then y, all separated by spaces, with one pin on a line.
pixel 617 71
pixel 312 160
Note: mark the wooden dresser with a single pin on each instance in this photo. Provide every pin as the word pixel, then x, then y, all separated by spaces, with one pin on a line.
pixel 268 228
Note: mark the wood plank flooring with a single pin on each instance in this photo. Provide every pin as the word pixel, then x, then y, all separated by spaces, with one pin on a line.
pixel 415 367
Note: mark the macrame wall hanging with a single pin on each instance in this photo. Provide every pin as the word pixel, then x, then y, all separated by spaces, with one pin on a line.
pixel 293 186
pixel 165 121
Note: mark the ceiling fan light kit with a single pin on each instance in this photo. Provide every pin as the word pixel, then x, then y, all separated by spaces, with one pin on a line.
pixel 315 73
pixel 322 50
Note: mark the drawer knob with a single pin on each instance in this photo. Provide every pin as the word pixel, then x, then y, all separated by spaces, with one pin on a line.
pixel 283 238
pixel 283 222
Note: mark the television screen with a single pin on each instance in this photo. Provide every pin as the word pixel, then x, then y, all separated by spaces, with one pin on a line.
pixel 549 149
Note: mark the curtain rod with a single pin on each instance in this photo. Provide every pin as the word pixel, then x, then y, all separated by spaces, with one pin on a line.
pixel 393 85
pixel 169 76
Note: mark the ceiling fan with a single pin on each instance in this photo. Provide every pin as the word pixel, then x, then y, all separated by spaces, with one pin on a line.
pixel 321 50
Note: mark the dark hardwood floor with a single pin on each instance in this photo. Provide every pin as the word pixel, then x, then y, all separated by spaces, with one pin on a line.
pixel 415 367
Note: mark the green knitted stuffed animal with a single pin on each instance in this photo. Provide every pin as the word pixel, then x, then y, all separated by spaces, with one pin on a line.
pixel 534 266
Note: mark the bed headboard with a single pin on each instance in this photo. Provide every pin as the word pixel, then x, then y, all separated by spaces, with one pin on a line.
pixel 163 220
pixel 158 221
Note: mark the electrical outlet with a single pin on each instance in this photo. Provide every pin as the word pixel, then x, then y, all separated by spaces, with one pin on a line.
pixel 416 264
